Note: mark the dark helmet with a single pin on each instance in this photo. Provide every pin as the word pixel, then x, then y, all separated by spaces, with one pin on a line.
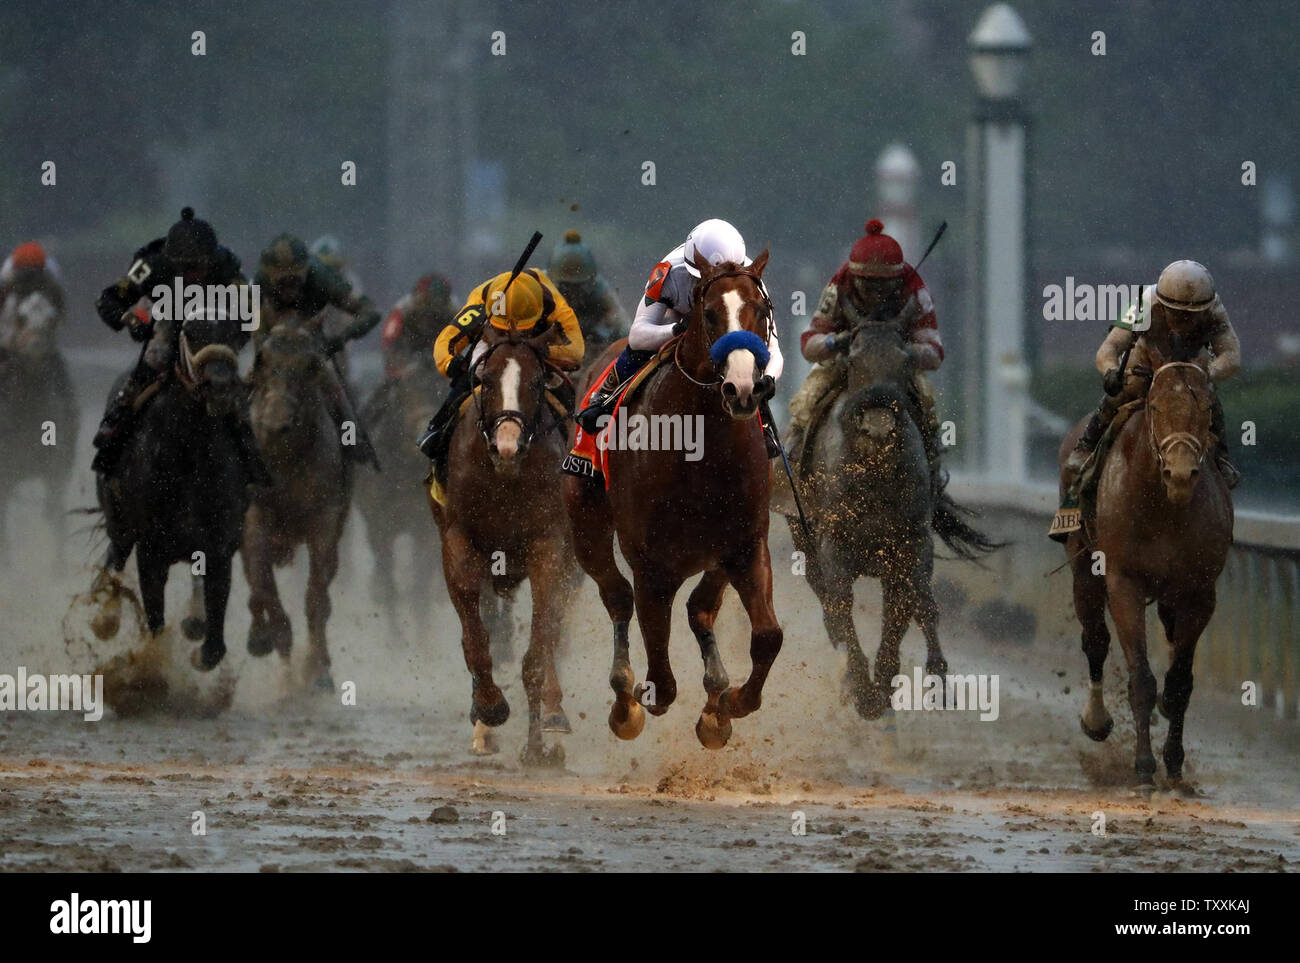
pixel 572 261
pixel 190 242
pixel 435 287
pixel 286 256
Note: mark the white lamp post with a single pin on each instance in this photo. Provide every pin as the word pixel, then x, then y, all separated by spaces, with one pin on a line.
pixel 896 175
pixel 999 47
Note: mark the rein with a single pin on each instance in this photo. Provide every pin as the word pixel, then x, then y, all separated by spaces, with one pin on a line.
pixel 527 426
pixel 1163 446
pixel 699 303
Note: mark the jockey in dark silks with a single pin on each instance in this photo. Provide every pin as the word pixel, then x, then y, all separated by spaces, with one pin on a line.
pixel 189 252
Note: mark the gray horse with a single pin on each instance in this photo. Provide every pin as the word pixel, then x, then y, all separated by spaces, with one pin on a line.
pixel 872 511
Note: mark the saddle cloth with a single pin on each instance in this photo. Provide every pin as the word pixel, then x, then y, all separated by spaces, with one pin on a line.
pixel 589 457
pixel 1079 506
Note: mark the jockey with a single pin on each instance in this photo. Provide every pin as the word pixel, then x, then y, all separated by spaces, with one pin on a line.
pixel 31 301
pixel 414 324
pixel 293 283
pixel 874 285
pixel 530 304
pixel 668 300
pixel 190 252
pixel 1182 317
pixel 573 269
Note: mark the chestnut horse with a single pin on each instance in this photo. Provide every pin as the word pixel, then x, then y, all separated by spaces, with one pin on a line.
pixel 503 521
pixel 1163 528
pixel 676 516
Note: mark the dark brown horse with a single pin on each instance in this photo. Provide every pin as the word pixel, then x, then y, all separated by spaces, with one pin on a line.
pixel 308 503
pixel 503 522
pixel 1162 532
pixel 677 516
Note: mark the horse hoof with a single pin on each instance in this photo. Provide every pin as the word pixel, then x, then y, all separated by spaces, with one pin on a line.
pixel 626 724
pixel 712 733
pixel 493 715
pixel 871 705
pixel 260 640
pixel 556 722
pixel 539 757
pixel 484 742
pixel 205 659
pixel 194 627
pixel 105 625
pixel 1097 735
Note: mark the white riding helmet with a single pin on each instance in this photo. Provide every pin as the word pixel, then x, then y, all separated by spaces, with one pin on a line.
pixel 714 241
pixel 1185 286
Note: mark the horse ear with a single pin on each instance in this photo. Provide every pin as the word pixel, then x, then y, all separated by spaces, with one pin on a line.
pixel 760 262
pixel 552 335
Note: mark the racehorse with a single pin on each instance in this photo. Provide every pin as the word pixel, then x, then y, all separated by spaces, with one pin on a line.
pixel 38 433
pixel 178 492
pixel 392 502
pixel 872 510
pixel 1162 532
pixel 503 521
pixel 309 502
pixel 676 517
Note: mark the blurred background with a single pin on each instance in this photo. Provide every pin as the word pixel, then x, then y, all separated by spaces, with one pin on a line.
pixel 1133 159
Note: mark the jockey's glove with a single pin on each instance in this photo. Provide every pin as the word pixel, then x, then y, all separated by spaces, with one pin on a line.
pixel 139 330
pixel 1112 382
pixel 458 366
pixel 765 387
pixel 837 342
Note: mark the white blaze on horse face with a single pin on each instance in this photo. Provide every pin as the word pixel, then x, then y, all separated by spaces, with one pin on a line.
pixel 739 372
pixel 507 437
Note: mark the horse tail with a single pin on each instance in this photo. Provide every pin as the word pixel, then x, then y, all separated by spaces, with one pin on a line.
pixel 960 536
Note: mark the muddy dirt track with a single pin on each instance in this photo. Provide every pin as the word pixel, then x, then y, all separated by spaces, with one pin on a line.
pixel 290 780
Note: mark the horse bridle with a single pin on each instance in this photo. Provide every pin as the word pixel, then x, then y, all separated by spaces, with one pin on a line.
pixel 527 426
pixel 699 298
pixel 1164 445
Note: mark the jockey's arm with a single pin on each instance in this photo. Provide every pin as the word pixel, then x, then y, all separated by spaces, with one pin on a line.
pixel 1225 345
pixel 365 316
pixel 567 355
pixel 1118 340
pixel 652 326
pixel 818 342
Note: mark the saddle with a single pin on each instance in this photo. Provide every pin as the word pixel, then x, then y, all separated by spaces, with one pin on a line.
pixel 588 458
pixel 1079 506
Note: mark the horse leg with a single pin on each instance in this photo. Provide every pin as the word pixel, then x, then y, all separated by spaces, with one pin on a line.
pixel 193 625
pixel 752 578
pixel 593 545
pixel 654 591
pixel 702 611
pixel 106 591
pixel 153 585
pixel 832 582
pixel 269 629
pixel 545 580
pixel 216 593
pixel 554 718
pixel 1128 609
pixel 1194 611
pixel 1090 609
pixel 464 568
pixel 927 610
pixel 323 565
pixel 899 601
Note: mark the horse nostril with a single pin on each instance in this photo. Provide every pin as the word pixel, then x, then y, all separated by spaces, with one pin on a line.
pixel 1168 474
pixel 728 389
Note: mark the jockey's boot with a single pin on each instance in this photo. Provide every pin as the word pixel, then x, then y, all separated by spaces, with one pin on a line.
pixel 436 440
pixel 115 427
pixel 1087 442
pixel 602 402
pixel 250 456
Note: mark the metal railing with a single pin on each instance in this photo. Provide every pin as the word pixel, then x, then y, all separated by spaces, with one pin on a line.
pixel 1254 635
